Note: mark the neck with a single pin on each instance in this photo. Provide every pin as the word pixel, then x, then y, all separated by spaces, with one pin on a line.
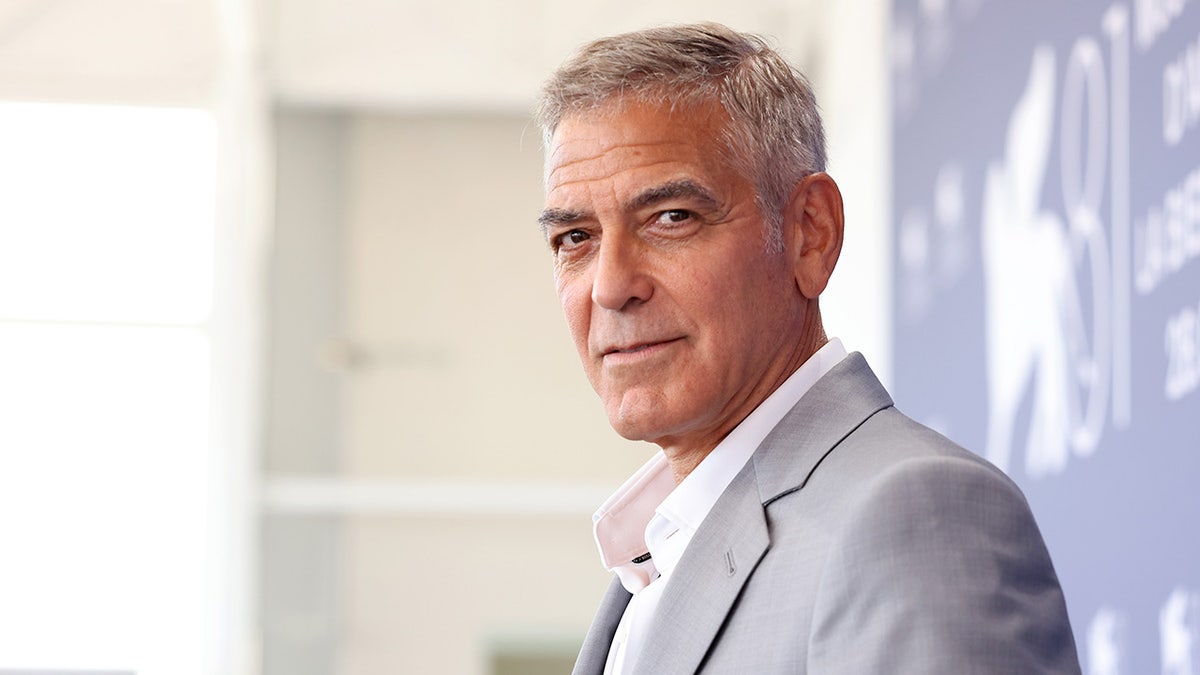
pixel 684 453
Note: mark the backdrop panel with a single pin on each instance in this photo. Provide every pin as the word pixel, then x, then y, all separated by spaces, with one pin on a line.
pixel 1047 287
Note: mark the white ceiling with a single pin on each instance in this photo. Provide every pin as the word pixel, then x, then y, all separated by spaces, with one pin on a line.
pixel 467 53
pixel 135 50
pixel 393 54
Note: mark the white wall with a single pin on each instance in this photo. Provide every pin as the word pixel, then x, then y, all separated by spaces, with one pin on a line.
pixel 851 73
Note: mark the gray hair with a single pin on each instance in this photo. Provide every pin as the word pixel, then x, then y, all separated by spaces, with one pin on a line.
pixel 775 137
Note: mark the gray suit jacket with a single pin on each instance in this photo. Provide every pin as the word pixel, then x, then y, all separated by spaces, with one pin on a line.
pixel 856 541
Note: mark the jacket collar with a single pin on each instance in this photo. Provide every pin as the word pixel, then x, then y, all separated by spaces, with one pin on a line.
pixel 732 540
pixel 835 406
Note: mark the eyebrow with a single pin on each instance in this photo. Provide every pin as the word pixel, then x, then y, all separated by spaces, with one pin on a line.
pixel 684 188
pixel 673 190
pixel 552 216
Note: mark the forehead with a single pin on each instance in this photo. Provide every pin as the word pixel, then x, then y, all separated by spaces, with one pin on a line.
pixel 623 141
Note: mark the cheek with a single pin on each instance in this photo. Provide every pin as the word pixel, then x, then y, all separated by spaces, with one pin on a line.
pixel 575 298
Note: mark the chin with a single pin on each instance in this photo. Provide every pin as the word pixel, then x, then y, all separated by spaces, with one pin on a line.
pixel 630 430
pixel 643 414
pixel 633 426
pixel 642 425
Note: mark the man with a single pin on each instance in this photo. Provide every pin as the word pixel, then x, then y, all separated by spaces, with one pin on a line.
pixel 794 521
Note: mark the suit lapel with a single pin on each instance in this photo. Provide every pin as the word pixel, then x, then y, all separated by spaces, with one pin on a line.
pixel 734 537
pixel 594 653
pixel 720 558
pixel 836 405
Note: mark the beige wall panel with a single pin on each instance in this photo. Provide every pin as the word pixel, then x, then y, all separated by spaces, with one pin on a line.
pixel 465 365
pixel 306 294
pixel 438 595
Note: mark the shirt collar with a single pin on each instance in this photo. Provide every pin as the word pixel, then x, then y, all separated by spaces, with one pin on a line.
pixel 620 524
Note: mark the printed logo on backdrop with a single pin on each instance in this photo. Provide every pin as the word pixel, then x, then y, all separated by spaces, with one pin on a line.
pixel 1106 643
pixel 1179 631
pixel 1047 286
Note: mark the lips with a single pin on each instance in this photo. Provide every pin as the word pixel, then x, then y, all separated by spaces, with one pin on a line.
pixel 631 350
pixel 639 347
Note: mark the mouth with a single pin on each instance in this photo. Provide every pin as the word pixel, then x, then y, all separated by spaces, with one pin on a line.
pixel 639 347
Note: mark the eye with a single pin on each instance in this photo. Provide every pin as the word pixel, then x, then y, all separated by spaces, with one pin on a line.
pixel 570 239
pixel 674 216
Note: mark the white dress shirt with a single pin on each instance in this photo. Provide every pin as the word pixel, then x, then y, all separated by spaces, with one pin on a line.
pixel 644 528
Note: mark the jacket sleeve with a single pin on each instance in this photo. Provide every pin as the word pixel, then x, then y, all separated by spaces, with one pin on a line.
pixel 940 568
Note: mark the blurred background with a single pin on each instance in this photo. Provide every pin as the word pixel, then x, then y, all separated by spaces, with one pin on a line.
pixel 284 384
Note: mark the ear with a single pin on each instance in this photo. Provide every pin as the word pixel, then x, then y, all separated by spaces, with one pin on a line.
pixel 815 221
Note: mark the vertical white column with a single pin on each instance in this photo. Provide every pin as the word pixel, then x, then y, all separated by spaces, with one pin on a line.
pixel 242 238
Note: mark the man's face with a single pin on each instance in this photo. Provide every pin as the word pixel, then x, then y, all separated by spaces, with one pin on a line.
pixel 683 321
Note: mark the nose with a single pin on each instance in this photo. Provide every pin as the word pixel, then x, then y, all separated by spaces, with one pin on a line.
pixel 621 278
